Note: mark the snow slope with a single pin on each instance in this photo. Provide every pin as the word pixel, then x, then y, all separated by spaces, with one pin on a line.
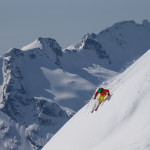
pixel 122 123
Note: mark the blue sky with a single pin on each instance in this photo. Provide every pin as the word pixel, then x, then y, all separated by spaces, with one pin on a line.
pixel 23 21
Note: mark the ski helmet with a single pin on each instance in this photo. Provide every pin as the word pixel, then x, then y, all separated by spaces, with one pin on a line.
pixel 99 90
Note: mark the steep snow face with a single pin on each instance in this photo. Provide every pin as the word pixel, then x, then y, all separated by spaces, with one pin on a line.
pixel 117 45
pixel 122 123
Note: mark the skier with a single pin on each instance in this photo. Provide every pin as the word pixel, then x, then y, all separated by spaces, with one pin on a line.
pixel 103 93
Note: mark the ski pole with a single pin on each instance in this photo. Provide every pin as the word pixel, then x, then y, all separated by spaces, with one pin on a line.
pixel 86 101
pixel 115 89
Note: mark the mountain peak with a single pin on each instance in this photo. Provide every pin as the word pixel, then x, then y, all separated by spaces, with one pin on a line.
pixel 42 43
pixel 34 45
pixel 89 36
pixel 49 43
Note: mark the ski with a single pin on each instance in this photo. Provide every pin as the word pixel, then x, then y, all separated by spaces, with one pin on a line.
pixel 93 109
pixel 98 105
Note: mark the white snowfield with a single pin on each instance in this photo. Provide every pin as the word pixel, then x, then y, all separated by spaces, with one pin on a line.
pixel 122 123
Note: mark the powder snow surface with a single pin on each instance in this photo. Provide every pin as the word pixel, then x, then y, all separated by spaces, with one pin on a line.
pixel 122 123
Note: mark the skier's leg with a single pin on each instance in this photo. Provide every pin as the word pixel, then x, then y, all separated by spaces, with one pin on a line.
pixel 101 99
pixel 98 105
pixel 95 105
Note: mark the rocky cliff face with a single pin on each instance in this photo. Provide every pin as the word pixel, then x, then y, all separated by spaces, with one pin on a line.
pixel 14 95
pixel 90 42
pixel 39 116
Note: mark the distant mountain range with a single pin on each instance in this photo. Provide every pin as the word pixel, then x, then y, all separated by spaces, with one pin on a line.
pixel 42 86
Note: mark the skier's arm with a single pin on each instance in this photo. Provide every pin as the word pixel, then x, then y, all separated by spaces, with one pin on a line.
pixel 108 92
pixel 96 95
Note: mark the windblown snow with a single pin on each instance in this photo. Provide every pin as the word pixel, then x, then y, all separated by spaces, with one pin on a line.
pixel 122 123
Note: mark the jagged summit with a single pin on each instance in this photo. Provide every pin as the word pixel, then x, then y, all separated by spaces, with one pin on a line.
pixel 50 47
pixel 36 44
pixel 42 47
pixel 42 43
pixel 80 45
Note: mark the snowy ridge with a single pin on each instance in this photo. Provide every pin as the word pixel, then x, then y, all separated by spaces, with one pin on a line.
pixel 122 123
pixel 118 45
pixel 33 45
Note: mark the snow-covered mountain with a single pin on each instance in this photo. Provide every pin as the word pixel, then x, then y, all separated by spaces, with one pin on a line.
pixel 118 45
pixel 23 86
pixel 122 123
pixel 39 94
pixel 24 78
pixel 42 86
